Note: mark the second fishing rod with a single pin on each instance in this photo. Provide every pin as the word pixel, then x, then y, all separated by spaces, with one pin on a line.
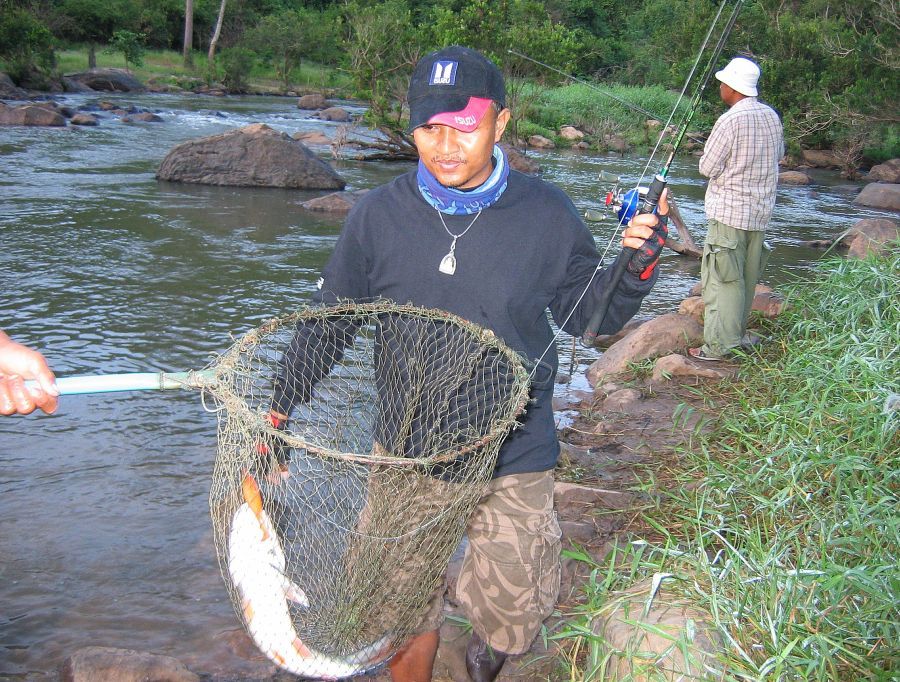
pixel 649 202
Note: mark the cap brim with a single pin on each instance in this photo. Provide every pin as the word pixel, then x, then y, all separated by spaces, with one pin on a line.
pixel 425 108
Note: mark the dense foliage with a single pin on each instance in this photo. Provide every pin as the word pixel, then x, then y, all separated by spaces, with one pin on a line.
pixel 830 66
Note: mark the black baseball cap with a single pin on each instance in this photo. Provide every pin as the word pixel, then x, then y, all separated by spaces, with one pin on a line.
pixel 443 81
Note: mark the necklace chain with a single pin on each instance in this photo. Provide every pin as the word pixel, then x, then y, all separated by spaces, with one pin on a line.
pixel 457 236
pixel 448 262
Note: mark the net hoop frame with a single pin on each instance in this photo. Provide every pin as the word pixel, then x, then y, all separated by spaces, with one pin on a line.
pixel 224 366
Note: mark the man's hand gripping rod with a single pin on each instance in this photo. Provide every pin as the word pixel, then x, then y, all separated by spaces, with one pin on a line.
pixel 648 205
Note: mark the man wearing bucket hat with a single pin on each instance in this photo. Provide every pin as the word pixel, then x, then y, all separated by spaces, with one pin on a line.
pixel 464 233
pixel 740 159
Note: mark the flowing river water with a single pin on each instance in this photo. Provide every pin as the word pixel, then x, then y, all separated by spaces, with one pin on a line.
pixel 105 534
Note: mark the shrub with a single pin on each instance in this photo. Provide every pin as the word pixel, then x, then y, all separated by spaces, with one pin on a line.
pixel 26 44
pixel 237 62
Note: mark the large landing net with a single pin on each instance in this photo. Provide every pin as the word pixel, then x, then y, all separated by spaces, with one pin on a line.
pixel 334 529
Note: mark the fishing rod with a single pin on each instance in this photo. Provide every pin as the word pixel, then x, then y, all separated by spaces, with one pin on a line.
pixel 633 204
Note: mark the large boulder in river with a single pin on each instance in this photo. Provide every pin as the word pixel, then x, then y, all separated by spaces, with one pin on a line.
pixel 889 171
pixel 336 202
pixel 880 195
pixel 107 664
pixel 871 235
pixel 660 336
pixel 9 90
pixel 252 156
pixel 115 80
pixel 30 115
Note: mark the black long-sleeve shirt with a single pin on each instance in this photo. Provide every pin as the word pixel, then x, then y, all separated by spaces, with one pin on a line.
pixel 528 252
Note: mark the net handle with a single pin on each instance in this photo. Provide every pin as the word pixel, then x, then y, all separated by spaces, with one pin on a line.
pixel 137 381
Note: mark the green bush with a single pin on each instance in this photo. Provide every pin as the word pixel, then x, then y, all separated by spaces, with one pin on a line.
pixel 237 63
pixel 26 44
pixel 130 44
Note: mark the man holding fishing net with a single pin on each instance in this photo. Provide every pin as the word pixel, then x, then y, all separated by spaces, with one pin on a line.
pixel 464 233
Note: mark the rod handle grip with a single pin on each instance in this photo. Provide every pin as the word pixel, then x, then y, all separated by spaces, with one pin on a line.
pixel 593 328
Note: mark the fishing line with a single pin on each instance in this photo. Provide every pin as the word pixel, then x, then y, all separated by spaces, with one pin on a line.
pixel 686 119
pixel 628 104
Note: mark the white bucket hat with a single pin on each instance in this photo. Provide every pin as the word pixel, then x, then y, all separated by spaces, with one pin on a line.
pixel 741 74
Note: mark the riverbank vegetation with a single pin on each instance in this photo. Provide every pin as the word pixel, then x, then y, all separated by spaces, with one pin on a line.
pixel 829 67
pixel 782 523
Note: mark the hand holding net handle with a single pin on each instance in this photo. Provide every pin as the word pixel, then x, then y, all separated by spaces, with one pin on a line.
pixel 648 206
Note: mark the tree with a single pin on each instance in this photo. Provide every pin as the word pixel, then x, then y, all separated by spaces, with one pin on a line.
pixel 187 50
pixel 289 36
pixel 383 49
pixel 216 34
pixel 130 44
pixel 94 21
pixel 26 44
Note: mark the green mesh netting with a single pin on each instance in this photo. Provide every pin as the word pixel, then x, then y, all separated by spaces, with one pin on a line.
pixel 334 532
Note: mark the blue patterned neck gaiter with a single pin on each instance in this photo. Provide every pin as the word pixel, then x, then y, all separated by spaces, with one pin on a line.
pixel 458 202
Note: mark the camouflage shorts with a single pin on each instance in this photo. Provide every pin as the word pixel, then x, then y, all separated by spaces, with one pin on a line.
pixel 509 580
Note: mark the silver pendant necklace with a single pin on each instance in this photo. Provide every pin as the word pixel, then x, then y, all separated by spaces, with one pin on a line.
pixel 448 262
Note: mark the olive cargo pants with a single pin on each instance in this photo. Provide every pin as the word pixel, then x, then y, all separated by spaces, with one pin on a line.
pixel 733 261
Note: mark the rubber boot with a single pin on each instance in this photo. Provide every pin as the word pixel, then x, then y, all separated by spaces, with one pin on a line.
pixel 483 662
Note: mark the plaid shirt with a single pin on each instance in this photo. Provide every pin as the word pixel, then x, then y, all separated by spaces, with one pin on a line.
pixel 741 161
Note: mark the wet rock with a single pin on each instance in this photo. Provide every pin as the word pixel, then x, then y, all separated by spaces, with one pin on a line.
pixel 337 202
pixel 621 399
pixel 518 161
pixel 765 301
pixel 30 115
pixel 84 119
pixel 71 85
pixel 9 90
pixel 312 101
pixel 114 80
pixel 889 171
pixel 615 143
pixel 142 117
pixel 252 156
pixel 107 664
pixel 606 340
pixel 820 158
pixel 677 366
pixel 768 304
pixel 337 114
pixel 540 142
pixel 570 133
pixel 312 137
pixel 660 336
pixel 880 195
pixel 794 178
pixel 872 235
pixel 693 307
pixel 663 638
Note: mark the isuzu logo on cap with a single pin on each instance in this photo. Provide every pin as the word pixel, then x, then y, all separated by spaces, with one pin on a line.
pixel 443 73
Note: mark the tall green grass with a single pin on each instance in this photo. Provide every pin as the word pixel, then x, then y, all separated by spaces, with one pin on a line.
pixel 615 108
pixel 789 532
